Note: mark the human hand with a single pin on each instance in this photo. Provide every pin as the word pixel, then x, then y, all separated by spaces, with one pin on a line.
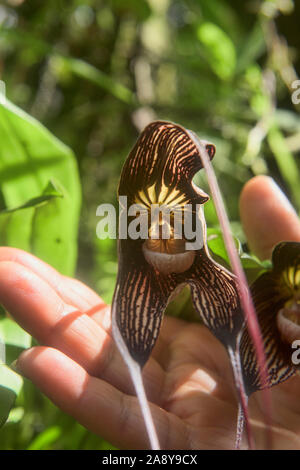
pixel 188 378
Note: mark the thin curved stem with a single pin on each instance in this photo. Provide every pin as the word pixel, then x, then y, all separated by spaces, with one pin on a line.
pixel 245 296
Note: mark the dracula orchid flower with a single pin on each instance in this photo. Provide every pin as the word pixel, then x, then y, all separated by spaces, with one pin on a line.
pixel 152 269
pixel 276 296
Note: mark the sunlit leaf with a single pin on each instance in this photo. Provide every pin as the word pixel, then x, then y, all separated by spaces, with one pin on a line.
pixel 220 50
pixel 41 197
pixel 30 157
pixel 49 193
pixel 46 439
pixel 16 414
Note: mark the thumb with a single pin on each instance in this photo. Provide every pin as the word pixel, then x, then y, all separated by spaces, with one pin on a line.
pixel 267 216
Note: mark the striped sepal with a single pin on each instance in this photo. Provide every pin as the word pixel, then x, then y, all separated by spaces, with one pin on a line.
pixel 215 298
pixel 141 296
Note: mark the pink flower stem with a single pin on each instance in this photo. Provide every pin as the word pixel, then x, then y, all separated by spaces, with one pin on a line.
pixel 245 296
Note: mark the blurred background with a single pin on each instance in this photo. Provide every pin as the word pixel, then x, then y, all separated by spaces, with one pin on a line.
pixel 94 73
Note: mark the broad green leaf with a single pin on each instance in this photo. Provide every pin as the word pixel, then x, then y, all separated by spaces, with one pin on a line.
pixel 50 234
pixel 30 157
pixel 220 50
pixel 41 196
pixel 10 385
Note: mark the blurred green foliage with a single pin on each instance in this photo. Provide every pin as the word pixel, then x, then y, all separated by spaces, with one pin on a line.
pixel 95 73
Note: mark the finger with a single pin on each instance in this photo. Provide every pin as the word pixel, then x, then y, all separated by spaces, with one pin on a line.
pixel 72 291
pixel 267 216
pixel 85 299
pixel 95 404
pixel 38 308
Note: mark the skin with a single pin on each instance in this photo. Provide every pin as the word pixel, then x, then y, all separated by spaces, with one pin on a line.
pixel 188 378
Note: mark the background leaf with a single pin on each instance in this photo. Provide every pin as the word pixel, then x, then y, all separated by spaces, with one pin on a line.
pixel 220 50
pixel 41 197
pixel 10 386
pixel 29 157
pixel 49 193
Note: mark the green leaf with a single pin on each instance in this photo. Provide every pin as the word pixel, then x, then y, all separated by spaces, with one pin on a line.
pixel 16 415
pixel 49 193
pixel 51 231
pixel 285 161
pixel 224 15
pixel 176 306
pixel 46 438
pixel 181 306
pixel 40 190
pixel 85 70
pixel 30 157
pixel 14 338
pixel 10 385
pixel 253 267
pixel 252 48
pixel 217 245
pixel 220 50
pixel 251 264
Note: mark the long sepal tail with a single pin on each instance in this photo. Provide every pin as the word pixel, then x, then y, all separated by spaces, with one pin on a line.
pixel 243 420
pixel 215 298
pixel 136 377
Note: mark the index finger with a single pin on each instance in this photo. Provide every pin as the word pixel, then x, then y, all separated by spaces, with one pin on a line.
pixel 72 291
pixel 267 216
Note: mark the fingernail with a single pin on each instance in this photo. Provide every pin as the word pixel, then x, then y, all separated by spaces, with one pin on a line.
pixel 280 196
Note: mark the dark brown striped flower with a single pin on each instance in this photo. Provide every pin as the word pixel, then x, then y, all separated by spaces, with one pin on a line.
pixel 276 296
pixel 159 170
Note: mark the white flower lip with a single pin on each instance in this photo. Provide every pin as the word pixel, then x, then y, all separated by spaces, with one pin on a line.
pixel 289 330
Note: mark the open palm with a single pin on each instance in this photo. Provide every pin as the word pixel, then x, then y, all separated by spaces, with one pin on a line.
pixel 188 378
